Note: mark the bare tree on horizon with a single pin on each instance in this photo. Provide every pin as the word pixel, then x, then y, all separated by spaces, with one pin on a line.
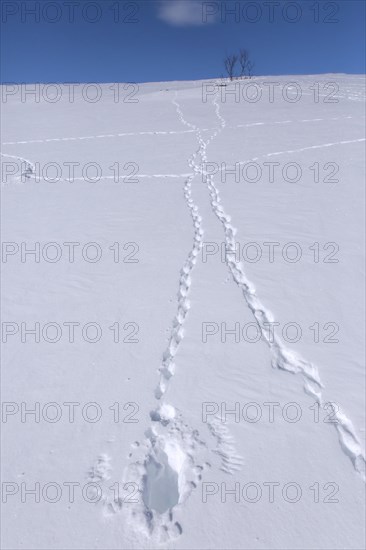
pixel 230 62
pixel 246 65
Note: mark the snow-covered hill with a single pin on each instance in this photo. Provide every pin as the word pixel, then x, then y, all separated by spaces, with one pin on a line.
pixel 183 310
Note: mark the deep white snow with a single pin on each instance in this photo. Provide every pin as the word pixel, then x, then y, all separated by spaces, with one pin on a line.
pixel 149 441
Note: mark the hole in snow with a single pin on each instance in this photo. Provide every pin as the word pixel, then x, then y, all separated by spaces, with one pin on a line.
pixel 164 477
pixel 161 485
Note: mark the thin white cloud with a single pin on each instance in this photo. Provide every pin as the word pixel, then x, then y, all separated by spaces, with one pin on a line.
pixel 182 13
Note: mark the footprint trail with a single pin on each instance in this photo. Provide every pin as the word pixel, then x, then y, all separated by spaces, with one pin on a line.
pixel 282 357
pixel 170 468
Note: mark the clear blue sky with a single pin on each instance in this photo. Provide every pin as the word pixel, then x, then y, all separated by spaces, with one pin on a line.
pixel 141 41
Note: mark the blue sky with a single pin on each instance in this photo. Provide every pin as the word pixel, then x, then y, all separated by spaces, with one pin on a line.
pixel 142 41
